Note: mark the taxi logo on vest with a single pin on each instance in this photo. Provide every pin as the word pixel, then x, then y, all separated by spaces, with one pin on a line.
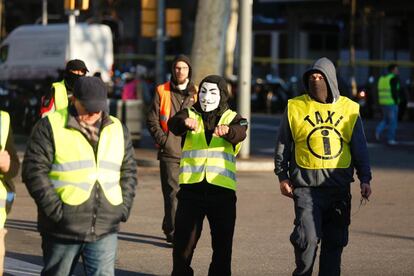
pixel 324 141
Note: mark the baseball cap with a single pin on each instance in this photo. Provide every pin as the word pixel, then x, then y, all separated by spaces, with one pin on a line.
pixel 92 93
pixel 76 64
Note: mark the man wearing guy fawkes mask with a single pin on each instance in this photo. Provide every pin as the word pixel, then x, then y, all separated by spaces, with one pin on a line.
pixel 212 136
pixel 321 141
pixel 58 97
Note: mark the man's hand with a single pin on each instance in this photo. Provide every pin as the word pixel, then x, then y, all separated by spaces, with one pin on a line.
pixel 4 161
pixel 191 123
pixel 286 188
pixel 365 190
pixel 221 130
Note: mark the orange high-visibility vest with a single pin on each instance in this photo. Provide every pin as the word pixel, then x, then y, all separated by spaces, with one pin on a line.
pixel 164 92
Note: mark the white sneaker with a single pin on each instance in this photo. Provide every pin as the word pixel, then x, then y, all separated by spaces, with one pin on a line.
pixel 392 143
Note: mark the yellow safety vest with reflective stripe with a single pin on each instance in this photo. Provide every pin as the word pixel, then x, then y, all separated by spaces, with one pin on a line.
pixel 61 95
pixel 76 169
pixel 4 133
pixel 322 132
pixel 216 162
pixel 384 90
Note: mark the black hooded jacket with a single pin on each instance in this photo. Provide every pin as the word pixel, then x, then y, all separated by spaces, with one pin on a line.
pixel 285 163
pixel 169 144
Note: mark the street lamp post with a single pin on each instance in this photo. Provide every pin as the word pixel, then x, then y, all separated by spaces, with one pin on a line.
pixel 44 12
pixel 71 25
pixel 245 65
pixel 352 47
pixel 159 67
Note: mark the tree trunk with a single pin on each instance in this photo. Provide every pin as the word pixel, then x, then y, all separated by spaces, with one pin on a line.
pixel 209 46
pixel 231 39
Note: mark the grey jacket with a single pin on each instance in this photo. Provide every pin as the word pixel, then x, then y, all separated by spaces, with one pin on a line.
pixel 285 163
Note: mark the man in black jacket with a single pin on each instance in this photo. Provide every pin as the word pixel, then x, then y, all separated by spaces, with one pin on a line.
pixel 80 169
pixel 170 97
pixel 321 140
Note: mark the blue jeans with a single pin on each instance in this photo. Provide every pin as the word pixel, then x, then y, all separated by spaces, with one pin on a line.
pixel 61 256
pixel 389 121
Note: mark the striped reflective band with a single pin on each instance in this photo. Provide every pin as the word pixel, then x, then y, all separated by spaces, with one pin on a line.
pixel 222 171
pixel 214 169
pixel 109 185
pixel 163 118
pixel 192 169
pixel 2 203
pixel 58 184
pixel 74 165
pixel 208 154
pixel 110 166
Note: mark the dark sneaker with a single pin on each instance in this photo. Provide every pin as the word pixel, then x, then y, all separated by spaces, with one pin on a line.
pixel 169 238
pixel 392 143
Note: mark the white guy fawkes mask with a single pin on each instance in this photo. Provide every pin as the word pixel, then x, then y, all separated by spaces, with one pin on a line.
pixel 209 96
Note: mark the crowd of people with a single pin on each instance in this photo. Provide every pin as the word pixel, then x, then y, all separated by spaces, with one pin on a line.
pixel 80 169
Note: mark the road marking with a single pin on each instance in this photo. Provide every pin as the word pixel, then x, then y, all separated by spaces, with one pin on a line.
pixel 20 268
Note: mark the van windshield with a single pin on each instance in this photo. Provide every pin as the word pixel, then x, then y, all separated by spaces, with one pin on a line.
pixel 4 52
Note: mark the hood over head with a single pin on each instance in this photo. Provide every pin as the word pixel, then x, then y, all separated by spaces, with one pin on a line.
pixel 326 68
pixel 175 61
pixel 224 92
pixel 211 118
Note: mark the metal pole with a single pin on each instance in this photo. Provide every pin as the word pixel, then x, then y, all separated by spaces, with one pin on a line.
pixel 71 25
pixel 160 43
pixel 44 12
pixel 1 19
pixel 352 48
pixel 245 65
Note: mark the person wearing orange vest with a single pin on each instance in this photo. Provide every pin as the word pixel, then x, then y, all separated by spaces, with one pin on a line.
pixel 57 97
pixel 170 97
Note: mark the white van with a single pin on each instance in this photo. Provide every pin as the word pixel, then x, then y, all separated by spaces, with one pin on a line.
pixel 35 52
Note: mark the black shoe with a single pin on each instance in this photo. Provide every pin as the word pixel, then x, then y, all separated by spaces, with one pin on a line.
pixel 169 238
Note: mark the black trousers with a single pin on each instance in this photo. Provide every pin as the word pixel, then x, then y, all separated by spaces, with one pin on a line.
pixel 169 172
pixel 322 214
pixel 220 210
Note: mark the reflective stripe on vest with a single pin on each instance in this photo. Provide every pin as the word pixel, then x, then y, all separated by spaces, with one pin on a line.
pixel 384 90
pixel 322 132
pixel 75 171
pixel 4 133
pixel 216 162
pixel 61 95
pixel 164 92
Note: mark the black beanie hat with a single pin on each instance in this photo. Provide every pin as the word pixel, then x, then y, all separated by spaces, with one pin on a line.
pixel 76 64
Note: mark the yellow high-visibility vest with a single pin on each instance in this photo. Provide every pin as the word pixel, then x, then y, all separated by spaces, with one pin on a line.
pixel 216 162
pixel 384 90
pixel 75 169
pixel 61 95
pixel 322 132
pixel 4 133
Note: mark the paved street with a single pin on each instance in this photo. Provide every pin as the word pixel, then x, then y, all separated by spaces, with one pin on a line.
pixel 381 236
